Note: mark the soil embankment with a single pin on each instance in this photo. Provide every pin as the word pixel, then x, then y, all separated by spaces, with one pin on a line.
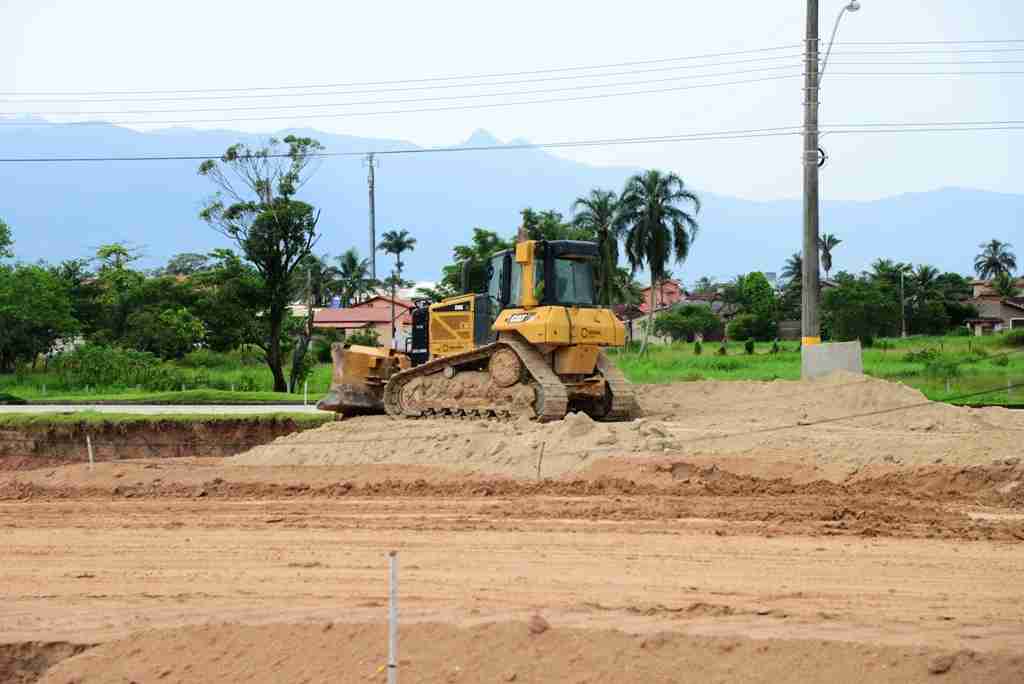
pixel 39 442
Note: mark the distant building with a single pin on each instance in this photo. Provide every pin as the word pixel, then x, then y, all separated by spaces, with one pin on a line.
pixel 995 313
pixel 373 313
pixel 666 294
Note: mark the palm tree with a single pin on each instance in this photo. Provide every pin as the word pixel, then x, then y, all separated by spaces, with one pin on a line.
pixel 395 242
pixel 353 276
pixel 598 214
pixel 1004 285
pixel 995 258
pixel 793 269
pixel 826 243
pixel 705 285
pixel 656 228
pixel 926 284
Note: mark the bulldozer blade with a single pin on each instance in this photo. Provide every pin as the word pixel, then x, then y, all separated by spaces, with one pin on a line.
pixel 347 400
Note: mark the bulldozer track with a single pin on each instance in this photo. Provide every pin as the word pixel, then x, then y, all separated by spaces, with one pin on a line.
pixel 624 403
pixel 551 403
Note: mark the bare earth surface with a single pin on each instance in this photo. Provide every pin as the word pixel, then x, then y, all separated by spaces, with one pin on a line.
pixel 747 532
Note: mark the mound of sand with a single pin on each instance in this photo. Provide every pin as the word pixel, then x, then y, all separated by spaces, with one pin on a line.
pixel 845 419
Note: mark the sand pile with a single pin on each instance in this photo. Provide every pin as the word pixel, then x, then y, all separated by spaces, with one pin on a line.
pixel 843 419
pixel 478 446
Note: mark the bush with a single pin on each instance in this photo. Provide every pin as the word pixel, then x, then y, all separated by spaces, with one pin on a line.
pixel 722 351
pixel 1014 338
pixel 748 326
pixel 698 349
pixel 775 347
pixel 94 365
pixel 170 334
pixel 926 355
pixel 942 368
pixel 749 347
pixel 207 358
pixel 1002 361
pixel 368 337
pixel 683 322
pixel 961 331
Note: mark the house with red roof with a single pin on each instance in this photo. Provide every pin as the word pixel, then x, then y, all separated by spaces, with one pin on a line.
pixel 373 313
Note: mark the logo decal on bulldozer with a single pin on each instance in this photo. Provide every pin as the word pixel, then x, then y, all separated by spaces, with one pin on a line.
pixel 520 317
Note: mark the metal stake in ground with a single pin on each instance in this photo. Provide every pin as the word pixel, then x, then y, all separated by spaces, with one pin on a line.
pixel 393 618
pixel 88 447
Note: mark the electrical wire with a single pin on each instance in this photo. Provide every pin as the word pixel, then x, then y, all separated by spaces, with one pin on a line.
pixel 440 98
pixel 745 134
pixel 417 80
pixel 340 115
pixel 486 84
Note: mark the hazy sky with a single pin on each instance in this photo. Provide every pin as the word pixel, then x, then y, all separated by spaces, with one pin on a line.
pixel 67 45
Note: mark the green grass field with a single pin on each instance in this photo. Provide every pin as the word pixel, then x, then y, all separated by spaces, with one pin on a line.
pixel 16 420
pixel 978 364
pixel 970 365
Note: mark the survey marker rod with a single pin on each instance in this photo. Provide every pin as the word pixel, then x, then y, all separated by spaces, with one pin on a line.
pixel 393 618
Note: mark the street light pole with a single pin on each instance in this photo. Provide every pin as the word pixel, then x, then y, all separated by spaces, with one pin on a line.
pixel 810 320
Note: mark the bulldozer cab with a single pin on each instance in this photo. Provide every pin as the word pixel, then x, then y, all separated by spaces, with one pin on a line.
pixel 542 273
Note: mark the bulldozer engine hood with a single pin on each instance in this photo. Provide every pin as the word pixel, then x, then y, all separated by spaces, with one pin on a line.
pixel 560 325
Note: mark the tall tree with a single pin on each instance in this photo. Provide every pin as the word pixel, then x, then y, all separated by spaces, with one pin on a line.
pixel 255 206
pixel 705 285
pixel 657 228
pixel 119 288
pixel 474 256
pixel 35 312
pixel 1005 285
pixel 597 214
pixel 793 269
pixel 395 242
pixel 6 240
pixel 995 258
pixel 353 276
pixel 826 243
pixel 186 264
pixel 927 286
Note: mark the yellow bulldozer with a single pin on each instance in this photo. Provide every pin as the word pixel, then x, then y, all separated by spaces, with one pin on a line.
pixel 531 345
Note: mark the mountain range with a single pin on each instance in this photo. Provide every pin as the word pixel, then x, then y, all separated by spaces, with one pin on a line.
pixel 66 210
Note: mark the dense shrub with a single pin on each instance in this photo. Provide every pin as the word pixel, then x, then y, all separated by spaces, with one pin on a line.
pixel 961 331
pixel 1014 338
pixel 170 334
pixel 750 327
pixel 684 322
pixel 207 358
pixel 749 347
pixel 368 337
pixel 926 355
pixel 698 348
pixel 94 365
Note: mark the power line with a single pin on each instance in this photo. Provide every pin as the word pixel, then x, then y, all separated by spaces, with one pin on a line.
pixel 487 84
pixel 338 115
pixel 864 128
pixel 418 80
pixel 438 98
pixel 246 95
pixel 932 42
pixel 498 94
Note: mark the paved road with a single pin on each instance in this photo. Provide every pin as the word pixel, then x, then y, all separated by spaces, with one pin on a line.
pixel 161 409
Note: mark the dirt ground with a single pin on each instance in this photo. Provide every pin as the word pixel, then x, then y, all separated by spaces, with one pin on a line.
pixel 748 532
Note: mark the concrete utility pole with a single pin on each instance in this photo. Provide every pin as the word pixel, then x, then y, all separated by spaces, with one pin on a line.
pixel 371 163
pixel 810 325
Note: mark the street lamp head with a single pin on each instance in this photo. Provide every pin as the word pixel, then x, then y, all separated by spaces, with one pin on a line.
pixel 853 6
